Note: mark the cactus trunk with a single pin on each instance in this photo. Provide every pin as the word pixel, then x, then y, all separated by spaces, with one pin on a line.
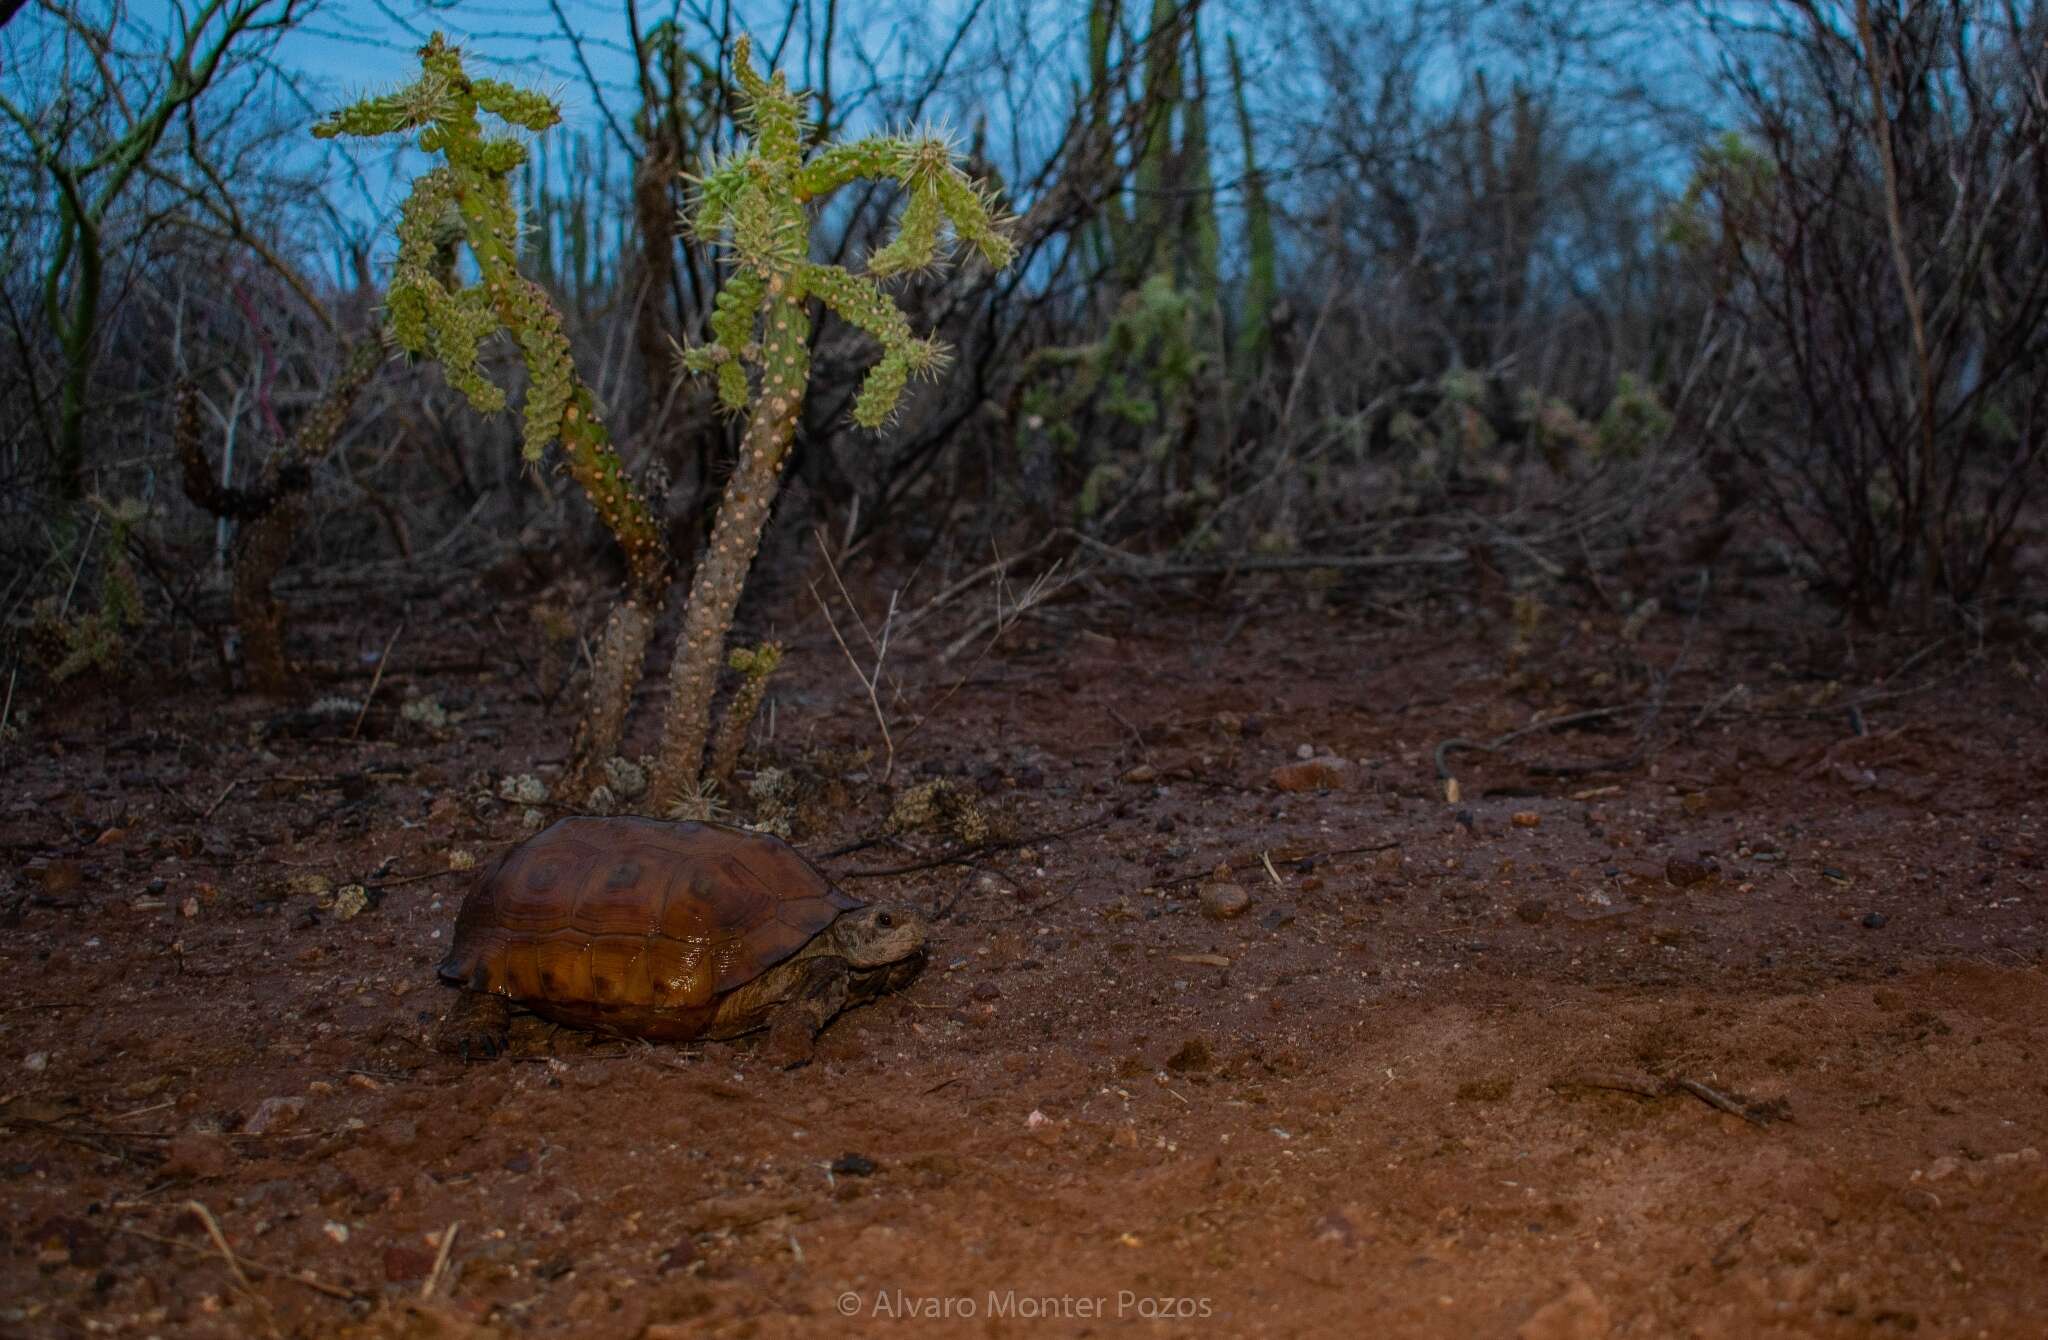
pixel 736 536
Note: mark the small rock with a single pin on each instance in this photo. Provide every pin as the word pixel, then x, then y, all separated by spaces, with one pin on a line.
pixel 274 1114
pixel 1278 919
pixel 1224 901
pixel 1319 774
pixel 1304 752
pixel 189 908
pixel 460 859
pixel 1144 772
pixel 36 1062
pixel 350 902
pixel 335 1230
pixel 1193 1058
pixel 1875 921
pixel 1036 1120
pixel 1577 1314
pixel 63 1240
pixel 1336 1227
pixel 1532 911
pixel 853 1165
pixel 986 991
pixel 1526 818
pixel 1682 874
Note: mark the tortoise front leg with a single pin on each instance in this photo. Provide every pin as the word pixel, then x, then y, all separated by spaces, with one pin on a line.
pixel 478 1028
pixel 794 1026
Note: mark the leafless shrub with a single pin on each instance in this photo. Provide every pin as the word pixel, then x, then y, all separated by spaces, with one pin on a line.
pixel 1876 231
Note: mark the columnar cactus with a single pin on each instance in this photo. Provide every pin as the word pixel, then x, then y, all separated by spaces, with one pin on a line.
pixel 758 202
pixel 468 201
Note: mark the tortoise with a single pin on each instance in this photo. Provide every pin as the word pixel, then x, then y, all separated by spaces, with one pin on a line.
pixel 668 931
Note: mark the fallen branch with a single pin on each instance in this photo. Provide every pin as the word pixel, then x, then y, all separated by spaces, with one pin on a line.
pixel 965 855
pixel 1650 1086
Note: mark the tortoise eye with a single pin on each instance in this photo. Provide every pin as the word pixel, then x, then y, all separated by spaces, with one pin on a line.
pixel 884 920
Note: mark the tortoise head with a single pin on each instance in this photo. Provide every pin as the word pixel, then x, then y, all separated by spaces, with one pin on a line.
pixel 880 934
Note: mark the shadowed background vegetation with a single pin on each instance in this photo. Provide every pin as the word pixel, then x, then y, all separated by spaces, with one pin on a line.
pixel 1581 293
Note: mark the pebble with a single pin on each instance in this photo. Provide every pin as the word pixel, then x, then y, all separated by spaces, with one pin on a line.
pixel 273 1114
pixel 1320 774
pixel 1875 921
pixel 36 1062
pixel 1527 818
pixel 1336 1227
pixel 1532 911
pixel 853 1165
pixel 1681 873
pixel 350 902
pixel 1224 901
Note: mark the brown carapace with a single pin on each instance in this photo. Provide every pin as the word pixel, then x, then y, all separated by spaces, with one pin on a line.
pixel 669 931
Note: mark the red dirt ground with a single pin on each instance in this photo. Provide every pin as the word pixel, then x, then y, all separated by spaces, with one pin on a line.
pixel 1450 1074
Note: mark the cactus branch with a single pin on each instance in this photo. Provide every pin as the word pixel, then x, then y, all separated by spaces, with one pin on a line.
pixel 757 202
pixel 467 200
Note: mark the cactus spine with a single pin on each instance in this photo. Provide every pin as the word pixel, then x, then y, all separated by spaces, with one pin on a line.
pixel 758 201
pixel 468 200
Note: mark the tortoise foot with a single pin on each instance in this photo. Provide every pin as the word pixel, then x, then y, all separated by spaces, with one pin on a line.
pixel 791 1042
pixel 478 1028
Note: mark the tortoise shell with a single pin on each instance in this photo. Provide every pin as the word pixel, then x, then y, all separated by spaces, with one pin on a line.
pixel 631 922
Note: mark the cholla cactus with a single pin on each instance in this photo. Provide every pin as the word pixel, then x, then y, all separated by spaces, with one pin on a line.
pixel 758 202
pixel 468 201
